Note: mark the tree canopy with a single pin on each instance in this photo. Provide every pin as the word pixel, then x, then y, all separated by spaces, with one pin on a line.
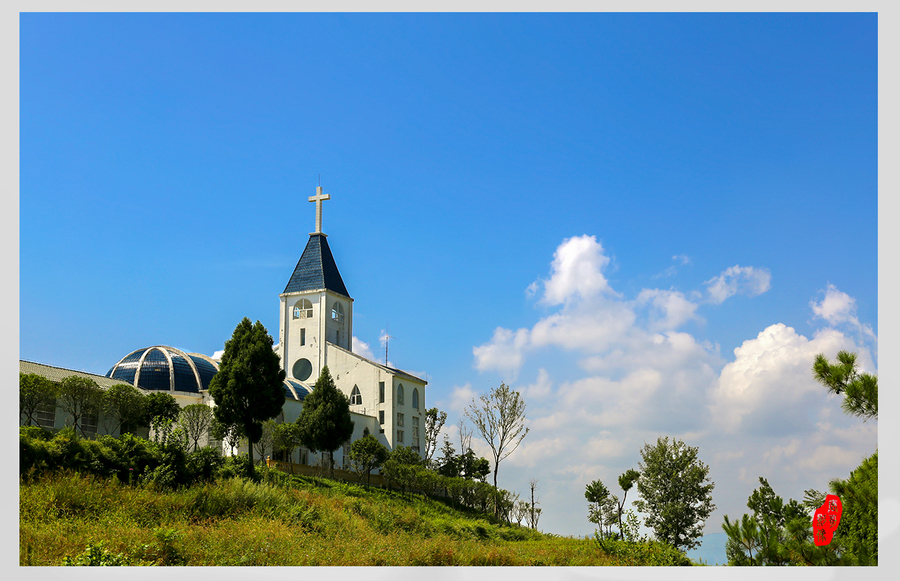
pixel 196 421
pixel 676 492
pixel 860 389
pixel 80 398
pixel 123 407
pixel 324 421
pixel 499 417
pixel 34 391
pixel 249 387
pixel 366 454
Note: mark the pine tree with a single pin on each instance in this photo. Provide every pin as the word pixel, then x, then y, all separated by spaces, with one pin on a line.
pixel 324 421
pixel 249 387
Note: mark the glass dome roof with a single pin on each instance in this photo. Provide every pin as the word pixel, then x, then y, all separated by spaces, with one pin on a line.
pixel 162 368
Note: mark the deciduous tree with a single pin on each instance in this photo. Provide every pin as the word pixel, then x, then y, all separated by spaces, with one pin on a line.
pixel 80 398
pixel 34 391
pixel 676 492
pixel 366 454
pixel 196 421
pixel 324 421
pixel 286 439
pixel 123 407
pixel 434 421
pixel 249 386
pixel 499 417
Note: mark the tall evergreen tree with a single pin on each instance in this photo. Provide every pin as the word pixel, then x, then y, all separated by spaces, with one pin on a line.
pixel 249 387
pixel 860 390
pixel 324 421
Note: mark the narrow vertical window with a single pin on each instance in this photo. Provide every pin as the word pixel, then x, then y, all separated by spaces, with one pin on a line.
pixel 415 398
pixel 303 336
pixel 380 392
pixel 399 393
pixel 381 417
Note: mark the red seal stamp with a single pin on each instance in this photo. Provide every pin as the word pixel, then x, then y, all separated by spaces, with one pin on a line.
pixel 825 520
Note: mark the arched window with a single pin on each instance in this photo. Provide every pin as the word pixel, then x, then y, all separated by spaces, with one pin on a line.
pixel 400 393
pixel 337 312
pixel 303 309
pixel 355 396
pixel 415 402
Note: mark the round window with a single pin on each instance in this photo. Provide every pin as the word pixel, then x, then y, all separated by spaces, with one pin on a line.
pixel 302 369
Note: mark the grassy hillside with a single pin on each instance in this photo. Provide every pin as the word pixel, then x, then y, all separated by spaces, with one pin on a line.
pixel 281 520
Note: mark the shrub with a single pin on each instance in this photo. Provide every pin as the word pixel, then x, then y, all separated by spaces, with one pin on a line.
pixel 96 555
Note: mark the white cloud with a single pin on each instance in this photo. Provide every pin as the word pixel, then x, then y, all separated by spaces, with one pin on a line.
pixel 503 353
pixel 362 349
pixel 576 271
pixel 738 279
pixel 640 375
pixel 838 309
pixel 461 397
pixel 769 386
pixel 540 389
pixel 670 309
pixel 218 355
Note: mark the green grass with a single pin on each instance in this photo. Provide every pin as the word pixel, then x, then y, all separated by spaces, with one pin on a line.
pixel 296 521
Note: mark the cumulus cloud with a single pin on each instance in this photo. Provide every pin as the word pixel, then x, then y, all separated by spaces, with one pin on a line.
pixel 670 309
pixel 738 279
pixel 769 386
pixel 633 373
pixel 838 309
pixel 576 271
pixel 503 353
pixel 461 396
pixel 218 355
pixel 362 349
pixel 541 388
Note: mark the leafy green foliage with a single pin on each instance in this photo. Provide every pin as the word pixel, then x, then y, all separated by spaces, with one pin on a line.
pixel 676 492
pixel 324 421
pixel 859 518
pixel 195 420
pixel 249 386
pixel 780 533
pixel 366 454
pixel 860 389
pixel 80 398
pixel 159 407
pixel 123 407
pixel 644 552
pixel 34 391
pixel 434 421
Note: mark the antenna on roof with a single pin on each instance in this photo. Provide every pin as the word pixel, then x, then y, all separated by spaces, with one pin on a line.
pixel 387 339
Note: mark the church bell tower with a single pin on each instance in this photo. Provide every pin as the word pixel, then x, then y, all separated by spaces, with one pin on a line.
pixel 315 307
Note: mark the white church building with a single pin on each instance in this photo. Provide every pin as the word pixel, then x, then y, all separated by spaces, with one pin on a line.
pixel 315 330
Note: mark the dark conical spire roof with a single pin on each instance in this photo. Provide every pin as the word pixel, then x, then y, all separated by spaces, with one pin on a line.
pixel 316 269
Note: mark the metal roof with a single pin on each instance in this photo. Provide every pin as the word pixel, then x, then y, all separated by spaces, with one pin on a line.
pixel 57 374
pixel 316 269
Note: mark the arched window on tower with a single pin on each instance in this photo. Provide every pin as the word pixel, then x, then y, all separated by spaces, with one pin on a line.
pixel 337 312
pixel 400 393
pixel 355 396
pixel 303 309
pixel 415 398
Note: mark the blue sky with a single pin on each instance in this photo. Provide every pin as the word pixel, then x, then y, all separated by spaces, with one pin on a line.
pixel 598 209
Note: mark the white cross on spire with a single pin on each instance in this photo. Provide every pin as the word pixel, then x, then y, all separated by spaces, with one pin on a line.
pixel 318 199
